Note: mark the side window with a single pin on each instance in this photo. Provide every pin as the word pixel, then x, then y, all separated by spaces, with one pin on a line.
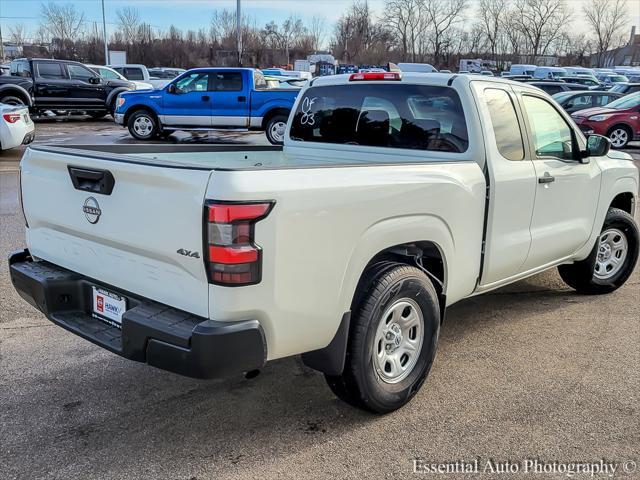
pixel 50 70
pixel 77 72
pixel 196 82
pixel 506 127
pixel 600 100
pixel 227 81
pixel 106 73
pixel 259 82
pixel 133 74
pixel 120 70
pixel 550 133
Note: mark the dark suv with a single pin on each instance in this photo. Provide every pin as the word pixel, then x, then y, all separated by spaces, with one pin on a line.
pixel 59 86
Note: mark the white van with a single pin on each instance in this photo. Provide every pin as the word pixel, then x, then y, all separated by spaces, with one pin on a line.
pixel 521 69
pixel 550 73
pixel 575 71
pixel 417 67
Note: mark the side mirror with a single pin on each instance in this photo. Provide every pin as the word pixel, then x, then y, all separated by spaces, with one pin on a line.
pixel 95 80
pixel 171 88
pixel 597 146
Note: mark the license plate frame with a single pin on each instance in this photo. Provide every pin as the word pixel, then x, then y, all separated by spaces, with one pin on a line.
pixel 108 306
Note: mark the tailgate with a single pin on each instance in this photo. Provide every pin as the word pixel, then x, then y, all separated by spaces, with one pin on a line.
pixel 128 238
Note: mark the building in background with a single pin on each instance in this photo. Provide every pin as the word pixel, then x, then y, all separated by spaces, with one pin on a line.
pixel 627 55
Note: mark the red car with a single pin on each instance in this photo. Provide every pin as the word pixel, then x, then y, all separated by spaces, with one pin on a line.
pixel 618 120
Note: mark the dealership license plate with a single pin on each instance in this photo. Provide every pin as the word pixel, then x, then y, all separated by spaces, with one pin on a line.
pixel 108 306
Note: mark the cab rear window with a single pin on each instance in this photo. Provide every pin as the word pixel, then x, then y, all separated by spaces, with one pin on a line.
pixel 418 117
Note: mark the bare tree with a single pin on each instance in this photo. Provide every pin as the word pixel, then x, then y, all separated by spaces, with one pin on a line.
pixel 541 22
pixel 18 34
pixel 283 36
pixel 441 16
pixel 490 14
pixel 317 32
pixel 128 23
pixel 405 18
pixel 62 22
pixel 606 18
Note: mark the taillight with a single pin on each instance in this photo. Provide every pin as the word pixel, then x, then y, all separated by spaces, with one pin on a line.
pixel 232 258
pixel 360 77
pixel 11 117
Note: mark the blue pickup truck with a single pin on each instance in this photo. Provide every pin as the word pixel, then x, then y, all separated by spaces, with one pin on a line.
pixel 206 99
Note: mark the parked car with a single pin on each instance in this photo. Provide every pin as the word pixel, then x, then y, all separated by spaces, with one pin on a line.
pixel 109 74
pixel 578 71
pixel 608 80
pixel 487 73
pixel 5 70
pixel 552 87
pixel 445 71
pixel 16 126
pixel 522 69
pixel 580 100
pixel 549 73
pixel 625 88
pixel 139 73
pixel 587 81
pixel 165 73
pixel 208 98
pixel 417 67
pixel 346 247
pixel 618 120
pixel 519 78
pixel 59 86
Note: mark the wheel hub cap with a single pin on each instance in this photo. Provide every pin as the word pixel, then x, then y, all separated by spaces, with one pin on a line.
pixel 612 252
pixel 398 341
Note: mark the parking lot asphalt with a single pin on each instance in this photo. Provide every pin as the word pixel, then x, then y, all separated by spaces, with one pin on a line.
pixel 531 371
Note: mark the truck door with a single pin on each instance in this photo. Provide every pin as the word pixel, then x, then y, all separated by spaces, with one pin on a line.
pixel 51 84
pixel 187 101
pixel 82 91
pixel 231 98
pixel 511 182
pixel 567 190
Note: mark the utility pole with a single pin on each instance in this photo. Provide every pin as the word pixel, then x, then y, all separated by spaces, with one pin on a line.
pixel 104 35
pixel 2 44
pixel 238 31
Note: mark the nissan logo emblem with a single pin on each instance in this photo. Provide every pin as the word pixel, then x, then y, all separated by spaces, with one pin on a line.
pixel 91 210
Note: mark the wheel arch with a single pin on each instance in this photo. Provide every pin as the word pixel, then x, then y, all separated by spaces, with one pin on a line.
pixel 624 125
pixel 136 108
pixel 17 91
pixel 113 95
pixel 624 201
pixel 272 113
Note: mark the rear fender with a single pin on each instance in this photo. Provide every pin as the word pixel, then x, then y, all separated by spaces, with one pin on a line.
pixel 17 90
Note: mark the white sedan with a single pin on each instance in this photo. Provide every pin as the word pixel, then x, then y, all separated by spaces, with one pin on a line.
pixel 16 126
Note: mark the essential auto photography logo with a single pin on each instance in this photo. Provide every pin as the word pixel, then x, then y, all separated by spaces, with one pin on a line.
pixel 91 210
pixel 570 469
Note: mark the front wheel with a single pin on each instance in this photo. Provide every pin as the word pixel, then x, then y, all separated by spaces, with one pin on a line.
pixel 620 136
pixel 612 260
pixel 392 340
pixel 276 128
pixel 143 125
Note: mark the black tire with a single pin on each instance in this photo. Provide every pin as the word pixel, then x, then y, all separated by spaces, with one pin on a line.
pixel 275 131
pixel 12 100
pixel 97 115
pixel 147 118
pixel 583 277
pixel 615 131
pixel 362 383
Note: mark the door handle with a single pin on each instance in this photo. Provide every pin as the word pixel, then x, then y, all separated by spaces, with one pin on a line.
pixel 93 181
pixel 206 98
pixel 242 99
pixel 546 178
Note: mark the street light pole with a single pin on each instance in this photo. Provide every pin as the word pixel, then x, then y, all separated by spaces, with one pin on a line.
pixel 238 31
pixel 104 35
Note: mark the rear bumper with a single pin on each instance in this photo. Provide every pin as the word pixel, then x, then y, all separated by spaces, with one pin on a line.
pixel 151 332
pixel 29 137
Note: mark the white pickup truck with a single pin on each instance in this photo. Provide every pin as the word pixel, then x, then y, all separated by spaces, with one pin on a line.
pixel 393 198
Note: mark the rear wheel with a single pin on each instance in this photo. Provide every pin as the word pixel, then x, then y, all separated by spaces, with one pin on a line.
pixel 12 100
pixel 143 125
pixel 620 136
pixel 392 340
pixel 612 260
pixel 276 128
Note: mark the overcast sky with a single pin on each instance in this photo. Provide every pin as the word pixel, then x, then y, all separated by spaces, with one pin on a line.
pixel 194 14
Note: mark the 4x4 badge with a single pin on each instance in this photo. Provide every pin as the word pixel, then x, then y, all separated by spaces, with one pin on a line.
pixel 188 253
